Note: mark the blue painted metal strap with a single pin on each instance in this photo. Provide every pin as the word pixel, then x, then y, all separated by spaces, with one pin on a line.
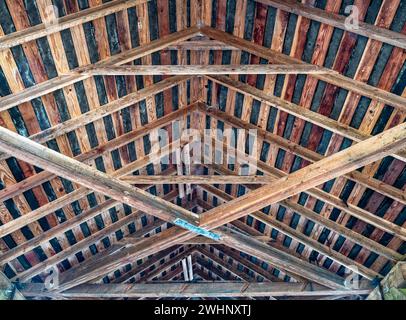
pixel 186 225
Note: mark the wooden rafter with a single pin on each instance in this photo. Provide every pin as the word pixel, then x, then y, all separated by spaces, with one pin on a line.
pixel 68 225
pixel 35 180
pixel 75 195
pixel 215 259
pixel 196 179
pixel 247 238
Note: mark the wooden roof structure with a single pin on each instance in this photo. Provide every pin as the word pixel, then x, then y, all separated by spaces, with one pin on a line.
pixel 85 87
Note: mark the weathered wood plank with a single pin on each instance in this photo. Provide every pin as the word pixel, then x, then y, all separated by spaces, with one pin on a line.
pixel 316 192
pixel 345 161
pixel 210 179
pixel 197 289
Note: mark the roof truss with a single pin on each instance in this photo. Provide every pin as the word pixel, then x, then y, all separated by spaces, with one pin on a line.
pixel 278 189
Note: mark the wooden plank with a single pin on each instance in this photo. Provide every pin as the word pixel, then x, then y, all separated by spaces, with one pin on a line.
pixel 30 117
pixel 167 265
pixel 94 238
pixel 204 69
pixel 187 289
pixel 297 111
pixel 66 22
pixel 76 75
pixel 229 253
pixel 333 78
pixel 365 29
pixel 315 174
pixel 204 240
pixel 148 263
pixel 239 274
pixel 218 274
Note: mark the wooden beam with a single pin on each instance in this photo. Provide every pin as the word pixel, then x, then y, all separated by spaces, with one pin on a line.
pixel 364 29
pixel 299 112
pixel 204 69
pixel 234 271
pixel 66 22
pixel 187 289
pixel 333 78
pixel 79 74
pixel 210 179
pixel 235 255
pixel 352 158
pixel 168 264
pixel 204 240
pixel 110 108
pixel 315 174
pixel 156 258
pixel 97 236
pixel 36 154
pixel 216 272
